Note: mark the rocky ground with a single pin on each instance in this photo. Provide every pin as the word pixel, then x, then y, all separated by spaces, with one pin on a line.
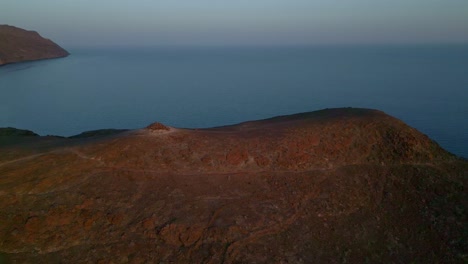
pixel 17 45
pixel 332 186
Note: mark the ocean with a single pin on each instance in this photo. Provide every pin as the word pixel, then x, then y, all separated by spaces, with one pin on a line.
pixel 122 87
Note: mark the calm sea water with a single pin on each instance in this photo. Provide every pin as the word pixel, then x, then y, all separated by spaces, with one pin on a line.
pixel 425 86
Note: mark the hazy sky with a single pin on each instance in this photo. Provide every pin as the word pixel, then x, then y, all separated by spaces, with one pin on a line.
pixel 244 22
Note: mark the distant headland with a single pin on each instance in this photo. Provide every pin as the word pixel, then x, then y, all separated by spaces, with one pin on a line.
pixel 18 45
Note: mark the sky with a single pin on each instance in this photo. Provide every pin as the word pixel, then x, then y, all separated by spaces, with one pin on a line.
pixel 240 22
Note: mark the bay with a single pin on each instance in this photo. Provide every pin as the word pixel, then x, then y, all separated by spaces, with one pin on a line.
pixel 130 87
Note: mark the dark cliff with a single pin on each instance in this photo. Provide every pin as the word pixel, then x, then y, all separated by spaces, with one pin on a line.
pixel 331 186
pixel 17 45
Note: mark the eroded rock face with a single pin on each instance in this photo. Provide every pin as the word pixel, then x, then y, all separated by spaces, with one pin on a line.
pixel 17 45
pixel 332 186
pixel 157 127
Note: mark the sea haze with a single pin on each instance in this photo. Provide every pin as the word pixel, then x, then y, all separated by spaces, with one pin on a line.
pixel 425 86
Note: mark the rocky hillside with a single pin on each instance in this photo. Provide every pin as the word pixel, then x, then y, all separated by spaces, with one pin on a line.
pixel 332 186
pixel 17 45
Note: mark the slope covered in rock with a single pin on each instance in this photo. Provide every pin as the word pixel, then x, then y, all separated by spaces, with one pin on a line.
pixel 331 186
pixel 17 45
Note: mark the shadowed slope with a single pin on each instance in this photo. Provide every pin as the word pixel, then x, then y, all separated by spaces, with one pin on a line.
pixel 329 186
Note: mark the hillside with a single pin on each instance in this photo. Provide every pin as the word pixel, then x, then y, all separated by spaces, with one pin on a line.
pixel 17 45
pixel 331 186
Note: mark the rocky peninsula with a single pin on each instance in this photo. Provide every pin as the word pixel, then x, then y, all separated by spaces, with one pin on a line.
pixel 332 186
pixel 18 45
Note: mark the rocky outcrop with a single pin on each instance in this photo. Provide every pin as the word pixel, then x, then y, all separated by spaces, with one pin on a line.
pixel 17 45
pixel 332 186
